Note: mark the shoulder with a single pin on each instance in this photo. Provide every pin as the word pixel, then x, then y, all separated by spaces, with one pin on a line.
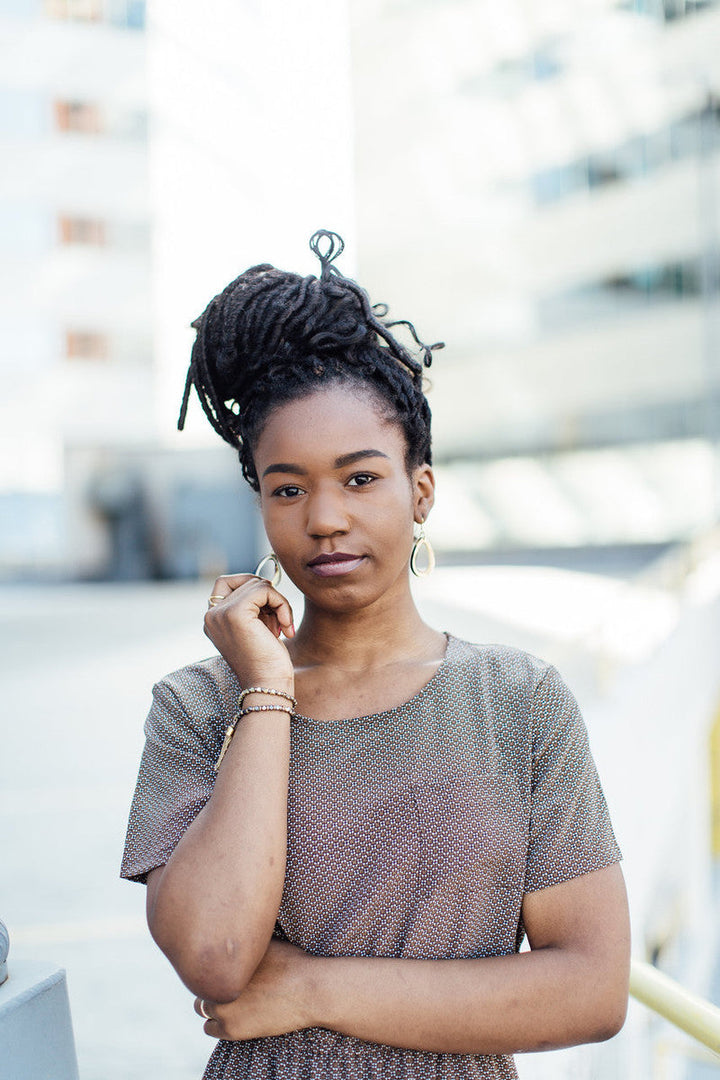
pixel 502 669
pixel 192 704
pixel 206 684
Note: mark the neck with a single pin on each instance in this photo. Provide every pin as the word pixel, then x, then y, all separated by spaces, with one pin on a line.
pixel 383 633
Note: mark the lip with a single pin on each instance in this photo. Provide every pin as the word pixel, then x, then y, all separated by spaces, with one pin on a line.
pixel 335 564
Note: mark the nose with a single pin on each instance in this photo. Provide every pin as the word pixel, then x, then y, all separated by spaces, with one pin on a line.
pixel 326 513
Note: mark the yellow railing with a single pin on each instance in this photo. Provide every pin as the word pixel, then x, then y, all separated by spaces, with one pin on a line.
pixel 663 995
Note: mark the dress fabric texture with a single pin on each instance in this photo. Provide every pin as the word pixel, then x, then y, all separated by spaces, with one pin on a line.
pixel 413 832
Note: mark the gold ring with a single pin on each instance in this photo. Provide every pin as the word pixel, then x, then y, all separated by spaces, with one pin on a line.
pixel 203 1011
pixel 215 600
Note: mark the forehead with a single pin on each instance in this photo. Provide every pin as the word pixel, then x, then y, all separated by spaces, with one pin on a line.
pixel 326 424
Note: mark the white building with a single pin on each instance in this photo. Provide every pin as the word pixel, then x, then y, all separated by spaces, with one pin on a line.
pixel 542 182
pixel 76 295
pixel 144 166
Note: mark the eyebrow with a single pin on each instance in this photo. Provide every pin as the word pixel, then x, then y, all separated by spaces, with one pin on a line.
pixel 339 463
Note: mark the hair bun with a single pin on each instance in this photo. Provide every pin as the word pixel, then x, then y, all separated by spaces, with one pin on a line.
pixel 268 320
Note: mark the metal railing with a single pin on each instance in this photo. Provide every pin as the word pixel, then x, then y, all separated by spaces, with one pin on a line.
pixel 687 1011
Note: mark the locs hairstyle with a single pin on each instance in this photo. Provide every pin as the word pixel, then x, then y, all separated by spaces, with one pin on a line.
pixel 271 337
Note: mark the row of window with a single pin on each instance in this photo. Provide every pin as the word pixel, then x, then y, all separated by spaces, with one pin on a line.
pixel 30 229
pixel 666 10
pixel 27 114
pixel 546 61
pixel 88 118
pixel 86 343
pixel 511 75
pixel 692 135
pixel 124 13
pixel 619 293
pixel 74 230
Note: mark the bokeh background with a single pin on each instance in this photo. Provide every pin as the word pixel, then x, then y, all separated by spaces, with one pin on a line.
pixel 534 182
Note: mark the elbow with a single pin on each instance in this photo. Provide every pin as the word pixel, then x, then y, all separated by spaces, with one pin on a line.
pixel 609 1016
pixel 217 971
pixel 211 977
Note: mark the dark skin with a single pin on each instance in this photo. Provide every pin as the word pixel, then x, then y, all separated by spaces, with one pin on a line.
pixel 334 479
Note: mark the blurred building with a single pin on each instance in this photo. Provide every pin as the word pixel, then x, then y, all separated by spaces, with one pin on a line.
pixel 76 259
pixel 541 182
pixel 144 166
pixel 535 183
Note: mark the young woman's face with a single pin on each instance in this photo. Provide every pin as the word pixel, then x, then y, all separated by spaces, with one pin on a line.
pixel 337 500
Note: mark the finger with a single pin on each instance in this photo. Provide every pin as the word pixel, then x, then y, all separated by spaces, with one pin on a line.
pixel 265 598
pixel 271 602
pixel 225 585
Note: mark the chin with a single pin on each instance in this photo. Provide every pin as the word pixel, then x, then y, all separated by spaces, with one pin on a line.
pixel 344 599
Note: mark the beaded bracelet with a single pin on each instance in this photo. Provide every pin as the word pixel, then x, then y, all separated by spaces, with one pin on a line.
pixel 264 690
pixel 263 708
pixel 243 712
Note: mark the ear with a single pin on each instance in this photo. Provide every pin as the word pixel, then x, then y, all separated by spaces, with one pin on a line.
pixel 423 479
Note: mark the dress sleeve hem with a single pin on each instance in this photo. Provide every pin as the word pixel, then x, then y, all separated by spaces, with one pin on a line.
pixel 566 872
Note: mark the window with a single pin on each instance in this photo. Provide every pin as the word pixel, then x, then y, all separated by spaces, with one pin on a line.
pixel 621 293
pixel 125 13
pixel 128 13
pixel 81 116
pixel 86 345
pixel 688 136
pixel 666 10
pixel 75 10
pixel 79 230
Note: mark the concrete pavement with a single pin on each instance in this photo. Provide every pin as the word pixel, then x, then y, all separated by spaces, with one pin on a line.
pixel 77 666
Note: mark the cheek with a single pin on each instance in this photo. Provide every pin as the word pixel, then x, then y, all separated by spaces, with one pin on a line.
pixel 276 525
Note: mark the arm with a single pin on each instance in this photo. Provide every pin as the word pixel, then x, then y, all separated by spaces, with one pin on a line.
pixel 572 986
pixel 213 906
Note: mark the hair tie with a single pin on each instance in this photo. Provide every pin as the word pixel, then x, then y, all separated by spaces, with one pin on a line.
pixel 335 246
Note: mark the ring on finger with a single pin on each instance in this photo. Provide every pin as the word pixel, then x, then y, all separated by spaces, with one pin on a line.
pixel 203 1011
pixel 215 599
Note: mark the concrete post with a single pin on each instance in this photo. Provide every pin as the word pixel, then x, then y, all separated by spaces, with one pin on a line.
pixel 36 1037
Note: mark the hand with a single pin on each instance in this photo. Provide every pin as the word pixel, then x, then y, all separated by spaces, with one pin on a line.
pixel 274 1002
pixel 245 627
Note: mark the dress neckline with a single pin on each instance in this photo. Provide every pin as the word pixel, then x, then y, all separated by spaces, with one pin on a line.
pixel 368 717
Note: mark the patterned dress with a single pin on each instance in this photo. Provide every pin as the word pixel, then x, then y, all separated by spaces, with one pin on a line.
pixel 413 832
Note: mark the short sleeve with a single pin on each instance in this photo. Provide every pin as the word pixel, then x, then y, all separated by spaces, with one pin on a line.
pixel 570 828
pixel 175 781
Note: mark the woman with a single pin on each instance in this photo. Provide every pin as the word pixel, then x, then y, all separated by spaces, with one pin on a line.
pixel 345 874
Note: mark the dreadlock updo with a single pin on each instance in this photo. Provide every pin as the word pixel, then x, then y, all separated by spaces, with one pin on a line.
pixel 271 337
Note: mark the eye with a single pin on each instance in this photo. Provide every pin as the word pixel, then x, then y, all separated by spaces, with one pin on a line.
pixel 361 479
pixel 288 491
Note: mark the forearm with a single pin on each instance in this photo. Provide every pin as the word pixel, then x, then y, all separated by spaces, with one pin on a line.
pixel 536 1000
pixel 216 903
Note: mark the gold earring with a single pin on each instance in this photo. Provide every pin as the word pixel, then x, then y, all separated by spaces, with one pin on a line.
pixel 277 574
pixel 421 542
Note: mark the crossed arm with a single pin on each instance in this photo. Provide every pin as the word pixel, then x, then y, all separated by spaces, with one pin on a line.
pixel 570 988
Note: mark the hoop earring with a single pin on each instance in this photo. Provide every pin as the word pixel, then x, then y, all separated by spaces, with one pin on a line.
pixel 421 542
pixel 277 573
